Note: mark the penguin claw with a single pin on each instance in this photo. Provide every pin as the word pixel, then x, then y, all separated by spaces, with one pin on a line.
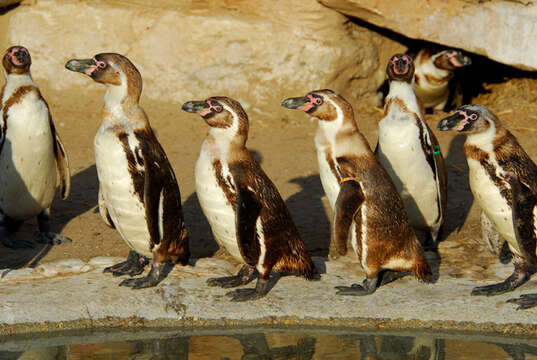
pixel 525 301
pixel 52 238
pixel 226 282
pixel 140 283
pixel 244 294
pixel 353 290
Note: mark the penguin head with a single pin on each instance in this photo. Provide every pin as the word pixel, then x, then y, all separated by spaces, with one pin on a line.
pixel 400 68
pixel 470 119
pixel 220 112
pixel 324 104
pixel 17 60
pixel 451 60
pixel 110 69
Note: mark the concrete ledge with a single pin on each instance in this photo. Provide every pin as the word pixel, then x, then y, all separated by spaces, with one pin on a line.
pixel 93 300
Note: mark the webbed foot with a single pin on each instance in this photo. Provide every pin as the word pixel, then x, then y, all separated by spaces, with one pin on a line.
pixel 525 301
pixel 50 238
pixel 156 275
pixel 368 287
pixel 516 279
pixel 245 275
pixel 134 265
pixel 261 289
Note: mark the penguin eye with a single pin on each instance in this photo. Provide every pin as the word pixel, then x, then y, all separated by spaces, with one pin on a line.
pixel 473 117
pixel 101 64
pixel 318 101
pixel 217 108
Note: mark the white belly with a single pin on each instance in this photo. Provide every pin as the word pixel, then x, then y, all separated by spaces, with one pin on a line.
pixel 492 203
pixel 124 205
pixel 27 163
pixel 214 204
pixel 328 179
pixel 401 154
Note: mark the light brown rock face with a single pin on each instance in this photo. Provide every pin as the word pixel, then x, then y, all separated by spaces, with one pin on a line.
pixel 505 31
pixel 256 51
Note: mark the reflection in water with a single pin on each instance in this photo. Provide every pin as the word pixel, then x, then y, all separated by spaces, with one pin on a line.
pixel 276 346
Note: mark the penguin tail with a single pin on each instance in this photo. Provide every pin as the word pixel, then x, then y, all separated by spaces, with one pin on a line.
pixel 423 271
pixel 298 261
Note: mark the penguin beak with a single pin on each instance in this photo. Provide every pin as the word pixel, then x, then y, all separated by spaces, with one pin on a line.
pixel 295 103
pixel 450 123
pixel 82 66
pixel 195 106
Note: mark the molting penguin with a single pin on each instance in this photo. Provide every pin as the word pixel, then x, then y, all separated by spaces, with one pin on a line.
pixel 365 202
pixel 433 74
pixel 138 192
pixel 246 213
pixel 503 180
pixel 32 156
pixel 410 153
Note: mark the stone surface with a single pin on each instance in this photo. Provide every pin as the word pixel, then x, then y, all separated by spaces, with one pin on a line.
pixel 184 296
pixel 255 51
pixel 504 31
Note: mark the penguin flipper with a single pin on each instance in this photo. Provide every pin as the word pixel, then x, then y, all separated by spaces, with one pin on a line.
pixel 524 203
pixel 103 210
pixel 62 162
pixel 348 202
pixel 438 166
pixel 153 198
pixel 247 211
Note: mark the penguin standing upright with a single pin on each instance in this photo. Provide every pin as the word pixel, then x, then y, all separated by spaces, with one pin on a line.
pixel 138 192
pixel 503 180
pixel 32 156
pixel 433 75
pixel 366 204
pixel 410 153
pixel 245 210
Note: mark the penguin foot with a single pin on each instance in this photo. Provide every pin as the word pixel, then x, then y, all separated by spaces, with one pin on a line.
pixel 261 289
pixel 13 243
pixel 45 237
pixel 515 280
pixel 368 287
pixel 245 275
pixel 134 265
pixel 388 276
pixel 525 301
pixel 156 275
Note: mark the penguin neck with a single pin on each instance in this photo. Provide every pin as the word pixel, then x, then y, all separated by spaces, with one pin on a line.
pixel 485 139
pixel 121 106
pixel 223 141
pixel 14 81
pixel 403 92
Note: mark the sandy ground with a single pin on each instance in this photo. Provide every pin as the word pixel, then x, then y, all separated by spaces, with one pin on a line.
pixel 286 150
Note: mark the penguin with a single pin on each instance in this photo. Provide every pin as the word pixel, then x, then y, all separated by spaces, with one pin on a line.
pixel 503 180
pixel 409 151
pixel 243 207
pixel 365 201
pixel 32 156
pixel 434 72
pixel 138 192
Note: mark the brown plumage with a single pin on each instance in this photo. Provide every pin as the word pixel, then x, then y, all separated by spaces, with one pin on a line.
pixel 366 204
pixel 230 181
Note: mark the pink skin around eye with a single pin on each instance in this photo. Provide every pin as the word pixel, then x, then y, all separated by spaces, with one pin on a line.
pixel 407 62
pixel 452 58
pixel 309 105
pixel 465 121
pixel 13 58
pixel 210 109
pixel 97 64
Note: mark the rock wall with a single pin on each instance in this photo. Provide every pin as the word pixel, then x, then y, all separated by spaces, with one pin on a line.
pixel 504 31
pixel 255 51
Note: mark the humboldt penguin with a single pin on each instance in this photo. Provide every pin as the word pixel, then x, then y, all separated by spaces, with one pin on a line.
pixel 138 191
pixel 433 75
pixel 410 152
pixel 503 180
pixel 245 210
pixel 32 157
pixel 366 204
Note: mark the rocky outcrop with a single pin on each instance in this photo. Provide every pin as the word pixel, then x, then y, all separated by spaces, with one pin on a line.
pixel 256 51
pixel 505 31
